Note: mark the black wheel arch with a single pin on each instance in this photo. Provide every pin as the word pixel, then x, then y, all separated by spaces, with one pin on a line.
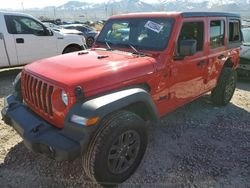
pixel 228 64
pixel 72 46
pixel 218 94
pixel 136 100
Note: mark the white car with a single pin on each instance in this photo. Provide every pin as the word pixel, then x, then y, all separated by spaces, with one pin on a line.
pixel 24 39
pixel 244 66
pixel 61 29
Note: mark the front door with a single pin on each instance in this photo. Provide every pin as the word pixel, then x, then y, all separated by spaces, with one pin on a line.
pixel 31 39
pixel 187 73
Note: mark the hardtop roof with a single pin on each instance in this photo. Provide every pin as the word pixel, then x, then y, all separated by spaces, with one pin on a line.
pixel 176 14
pixel 209 14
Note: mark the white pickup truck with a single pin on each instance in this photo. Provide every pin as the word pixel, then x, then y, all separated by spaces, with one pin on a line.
pixel 24 39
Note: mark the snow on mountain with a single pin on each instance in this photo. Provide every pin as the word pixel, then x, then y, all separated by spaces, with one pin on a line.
pixel 79 9
pixel 75 5
pixel 171 5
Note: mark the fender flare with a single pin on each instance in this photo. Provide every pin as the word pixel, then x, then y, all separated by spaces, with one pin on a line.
pixel 108 103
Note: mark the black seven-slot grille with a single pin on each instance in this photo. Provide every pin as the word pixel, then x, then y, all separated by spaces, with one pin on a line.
pixel 38 93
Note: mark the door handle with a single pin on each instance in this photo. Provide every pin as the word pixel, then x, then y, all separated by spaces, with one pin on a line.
pixel 201 63
pixel 19 40
pixel 221 57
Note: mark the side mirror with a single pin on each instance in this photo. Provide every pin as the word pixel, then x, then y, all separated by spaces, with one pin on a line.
pixel 187 47
pixel 48 32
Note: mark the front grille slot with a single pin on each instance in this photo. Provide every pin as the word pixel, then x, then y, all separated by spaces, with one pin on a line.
pixel 44 91
pixel 30 91
pixel 38 94
pixel 50 102
pixel 27 87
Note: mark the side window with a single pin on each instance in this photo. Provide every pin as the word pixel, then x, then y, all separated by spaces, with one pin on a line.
pixel 11 25
pixel 234 31
pixel 70 27
pixel 83 29
pixel 192 30
pixel 217 33
pixel 23 25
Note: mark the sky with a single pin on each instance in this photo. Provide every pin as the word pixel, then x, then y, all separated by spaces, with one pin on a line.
pixel 19 4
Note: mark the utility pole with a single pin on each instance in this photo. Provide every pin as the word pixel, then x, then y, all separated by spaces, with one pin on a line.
pixel 106 10
pixel 54 12
pixel 161 7
pixel 112 11
pixel 22 6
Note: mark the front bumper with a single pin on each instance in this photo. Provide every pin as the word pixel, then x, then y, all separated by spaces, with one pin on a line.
pixel 39 136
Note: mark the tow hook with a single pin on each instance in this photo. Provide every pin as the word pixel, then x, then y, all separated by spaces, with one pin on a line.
pixel 37 128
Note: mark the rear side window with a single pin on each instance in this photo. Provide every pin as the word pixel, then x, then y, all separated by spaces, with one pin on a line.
pixel 217 33
pixel 234 31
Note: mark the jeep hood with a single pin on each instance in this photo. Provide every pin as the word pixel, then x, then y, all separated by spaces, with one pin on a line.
pixel 93 70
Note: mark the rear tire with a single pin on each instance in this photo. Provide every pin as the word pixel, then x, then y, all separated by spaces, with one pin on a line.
pixel 117 149
pixel 71 49
pixel 224 90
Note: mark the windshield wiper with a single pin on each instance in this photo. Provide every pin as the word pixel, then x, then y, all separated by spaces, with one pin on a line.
pixel 107 44
pixel 136 52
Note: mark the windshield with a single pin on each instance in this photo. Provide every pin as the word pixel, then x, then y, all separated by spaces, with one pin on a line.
pixel 142 33
pixel 246 35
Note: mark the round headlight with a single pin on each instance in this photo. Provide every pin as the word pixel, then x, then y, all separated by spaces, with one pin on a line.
pixel 65 98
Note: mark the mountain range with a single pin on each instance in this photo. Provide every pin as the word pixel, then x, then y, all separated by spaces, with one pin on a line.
pixel 77 10
pixel 167 5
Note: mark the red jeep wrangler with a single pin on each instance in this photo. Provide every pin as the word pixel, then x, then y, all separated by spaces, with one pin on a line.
pixel 96 103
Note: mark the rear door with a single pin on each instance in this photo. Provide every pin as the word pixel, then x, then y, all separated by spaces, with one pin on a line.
pixel 31 39
pixel 217 49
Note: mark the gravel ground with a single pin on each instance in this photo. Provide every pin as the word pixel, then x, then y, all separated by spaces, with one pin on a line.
pixel 198 145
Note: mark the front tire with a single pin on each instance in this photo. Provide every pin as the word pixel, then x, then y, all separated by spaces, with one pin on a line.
pixel 117 149
pixel 224 90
